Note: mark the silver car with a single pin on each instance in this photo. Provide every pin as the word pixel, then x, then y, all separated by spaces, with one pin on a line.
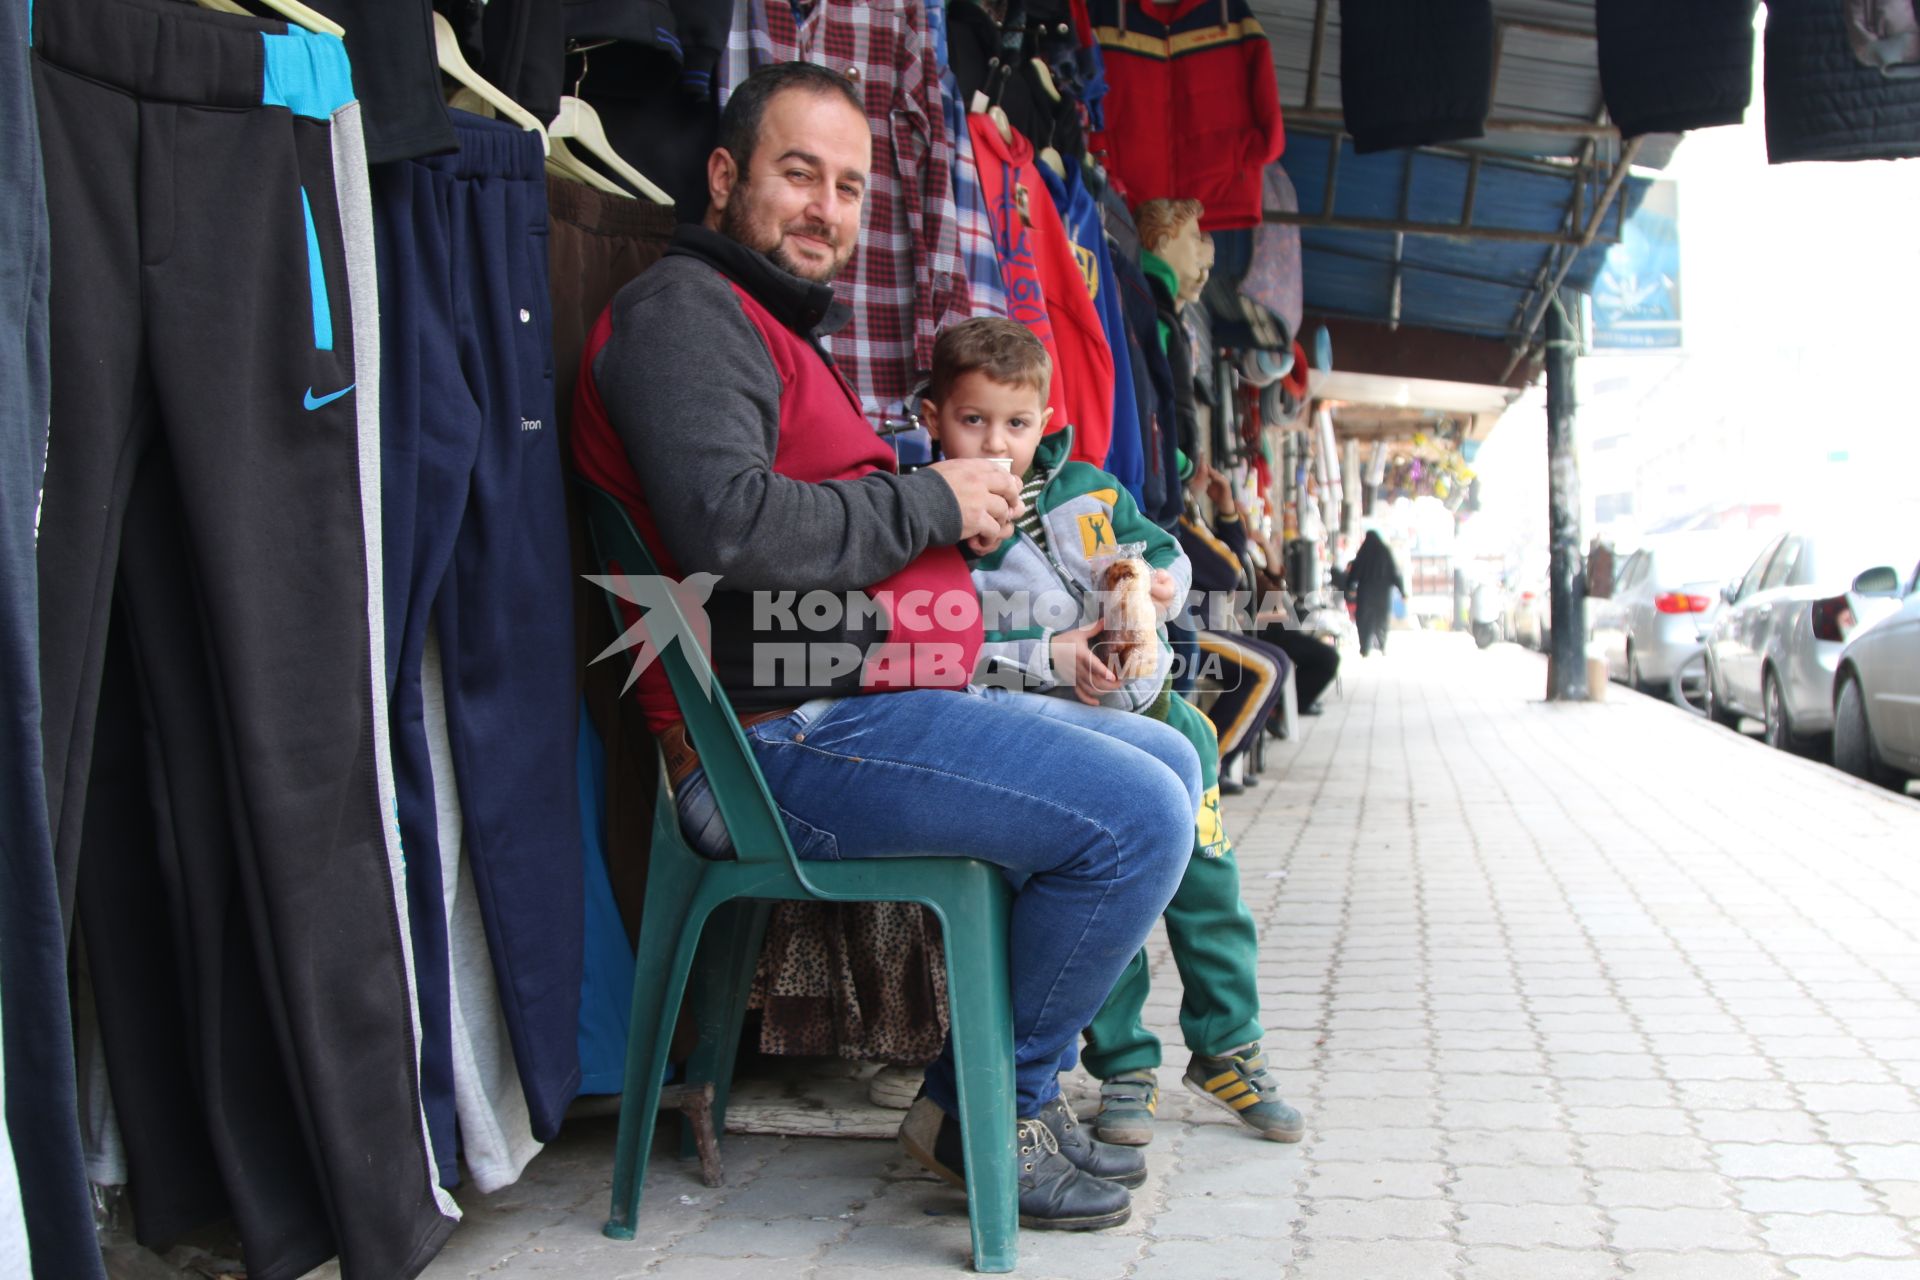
pixel 1664 597
pixel 1876 699
pixel 1771 654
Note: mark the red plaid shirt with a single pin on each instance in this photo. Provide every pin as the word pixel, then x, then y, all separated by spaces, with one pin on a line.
pixel 906 280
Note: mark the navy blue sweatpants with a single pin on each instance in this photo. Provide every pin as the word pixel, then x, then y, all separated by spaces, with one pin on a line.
pixel 473 507
pixel 38 1044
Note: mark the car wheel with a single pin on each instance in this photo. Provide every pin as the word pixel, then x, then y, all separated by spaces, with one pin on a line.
pixel 1779 731
pixel 1853 749
pixel 1716 703
pixel 1633 671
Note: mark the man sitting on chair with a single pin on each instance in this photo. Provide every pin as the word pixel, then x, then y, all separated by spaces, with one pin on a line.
pixel 844 623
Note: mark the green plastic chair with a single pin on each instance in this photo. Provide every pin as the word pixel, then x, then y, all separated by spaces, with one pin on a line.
pixel 685 890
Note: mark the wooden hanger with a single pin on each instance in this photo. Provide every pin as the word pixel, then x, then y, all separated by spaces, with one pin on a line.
pixel 446 51
pixel 292 10
pixel 579 124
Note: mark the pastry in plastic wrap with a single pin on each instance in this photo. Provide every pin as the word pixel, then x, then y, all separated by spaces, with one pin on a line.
pixel 1130 643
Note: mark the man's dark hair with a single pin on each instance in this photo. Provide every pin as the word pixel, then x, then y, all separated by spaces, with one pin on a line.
pixel 740 121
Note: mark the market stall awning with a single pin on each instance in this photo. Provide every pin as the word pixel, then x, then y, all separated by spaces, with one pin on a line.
pixel 1473 237
pixel 1448 242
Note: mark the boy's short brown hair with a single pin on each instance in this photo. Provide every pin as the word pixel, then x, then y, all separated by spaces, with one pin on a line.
pixel 1005 350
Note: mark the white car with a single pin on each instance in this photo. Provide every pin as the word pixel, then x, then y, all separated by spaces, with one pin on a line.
pixel 1664 597
pixel 1876 698
pixel 1773 650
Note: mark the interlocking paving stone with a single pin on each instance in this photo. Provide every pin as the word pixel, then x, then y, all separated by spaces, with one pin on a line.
pixel 1563 991
pixel 1835 1235
pixel 1492 1262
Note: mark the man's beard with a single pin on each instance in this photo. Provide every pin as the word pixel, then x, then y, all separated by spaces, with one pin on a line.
pixel 735 224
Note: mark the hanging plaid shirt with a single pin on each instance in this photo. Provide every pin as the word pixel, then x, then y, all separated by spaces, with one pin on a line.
pixel 906 280
pixel 986 287
pixel 747 48
pixel 986 290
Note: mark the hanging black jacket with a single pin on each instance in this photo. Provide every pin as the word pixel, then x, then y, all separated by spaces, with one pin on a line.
pixel 1160 490
pixel 1821 103
pixel 974 41
pixel 1414 72
pixel 1667 67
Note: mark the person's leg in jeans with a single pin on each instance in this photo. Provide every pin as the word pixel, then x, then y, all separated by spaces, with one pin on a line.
pixel 1099 827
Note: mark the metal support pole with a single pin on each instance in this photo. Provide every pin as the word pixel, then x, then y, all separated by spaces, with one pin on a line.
pixel 1566 580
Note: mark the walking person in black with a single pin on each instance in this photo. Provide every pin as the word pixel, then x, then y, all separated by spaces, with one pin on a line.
pixel 1371 578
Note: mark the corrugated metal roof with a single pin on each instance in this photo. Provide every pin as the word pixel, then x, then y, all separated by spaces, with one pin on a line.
pixel 1485 287
pixel 1478 282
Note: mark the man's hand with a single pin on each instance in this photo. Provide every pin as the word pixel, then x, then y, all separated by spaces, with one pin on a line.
pixel 1162 591
pixel 989 499
pixel 1074 664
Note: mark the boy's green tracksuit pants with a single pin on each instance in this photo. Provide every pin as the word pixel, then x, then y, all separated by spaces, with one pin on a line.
pixel 1214 944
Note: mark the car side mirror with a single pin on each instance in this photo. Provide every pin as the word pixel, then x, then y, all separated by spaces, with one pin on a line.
pixel 1881 580
pixel 1727 592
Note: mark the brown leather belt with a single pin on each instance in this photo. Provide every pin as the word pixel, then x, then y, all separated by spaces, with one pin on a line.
pixel 677 749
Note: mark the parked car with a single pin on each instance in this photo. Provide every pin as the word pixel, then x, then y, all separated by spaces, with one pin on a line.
pixel 1876 697
pixel 1773 649
pixel 1664 597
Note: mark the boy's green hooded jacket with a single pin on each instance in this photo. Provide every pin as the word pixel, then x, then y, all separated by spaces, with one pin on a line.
pixel 1030 593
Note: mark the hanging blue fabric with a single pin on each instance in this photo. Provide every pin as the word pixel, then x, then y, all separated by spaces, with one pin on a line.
pixel 606 984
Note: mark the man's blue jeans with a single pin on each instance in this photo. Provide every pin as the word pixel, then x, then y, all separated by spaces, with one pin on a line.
pixel 1089 810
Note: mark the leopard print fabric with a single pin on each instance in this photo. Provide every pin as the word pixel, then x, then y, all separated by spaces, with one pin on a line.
pixel 865 981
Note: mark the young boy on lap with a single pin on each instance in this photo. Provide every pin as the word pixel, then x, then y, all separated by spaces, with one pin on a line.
pixel 988 399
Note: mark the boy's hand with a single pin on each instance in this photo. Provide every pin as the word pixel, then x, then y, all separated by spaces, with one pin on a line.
pixel 1162 591
pixel 1075 664
pixel 984 543
pixel 989 498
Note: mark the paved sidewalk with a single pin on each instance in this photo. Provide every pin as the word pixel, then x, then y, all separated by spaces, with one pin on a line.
pixel 1564 992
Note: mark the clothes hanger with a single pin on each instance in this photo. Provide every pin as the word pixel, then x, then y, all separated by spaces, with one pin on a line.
pixel 981 105
pixel 562 163
pixel 292 10
pixel 578 123
pixel 1049 156
pixel 446 51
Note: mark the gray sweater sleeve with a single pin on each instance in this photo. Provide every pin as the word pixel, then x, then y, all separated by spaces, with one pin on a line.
pixel 693 394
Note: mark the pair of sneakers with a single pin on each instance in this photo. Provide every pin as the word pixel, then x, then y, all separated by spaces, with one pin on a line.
pixel 1236 1081
pixel 1069 1180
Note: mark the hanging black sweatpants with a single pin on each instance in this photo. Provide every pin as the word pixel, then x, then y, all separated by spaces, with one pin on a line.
pixel 202 321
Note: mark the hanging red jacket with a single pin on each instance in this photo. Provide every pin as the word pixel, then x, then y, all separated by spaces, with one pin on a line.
pixel 1047 287
pixel 1192 108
